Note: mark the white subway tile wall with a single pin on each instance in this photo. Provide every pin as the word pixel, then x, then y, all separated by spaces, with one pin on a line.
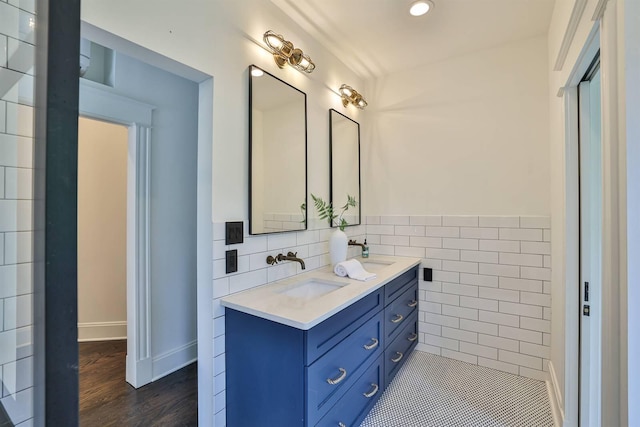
pixel 489 302
pixel 16 255
pixel 476 309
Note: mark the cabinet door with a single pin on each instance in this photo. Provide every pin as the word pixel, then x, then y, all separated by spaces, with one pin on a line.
pixel 327 334
pixel 358 400
pixel 398 312
pixel 332 375
pixel 394 288
pixel 399 349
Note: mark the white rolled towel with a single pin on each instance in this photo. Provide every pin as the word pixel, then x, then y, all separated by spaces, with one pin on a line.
pixel 353 269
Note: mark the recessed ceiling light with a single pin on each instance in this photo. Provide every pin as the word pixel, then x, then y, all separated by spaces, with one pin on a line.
pixel 256 72
pixel 420 7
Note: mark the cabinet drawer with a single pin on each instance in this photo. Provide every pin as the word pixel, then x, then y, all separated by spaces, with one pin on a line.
pixel 332 375
pixel 398 312
pixel 394 289
pixel 327 334
pixel 358 400
pixel 397 352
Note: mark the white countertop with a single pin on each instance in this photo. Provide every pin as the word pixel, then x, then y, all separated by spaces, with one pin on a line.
pixel 270 303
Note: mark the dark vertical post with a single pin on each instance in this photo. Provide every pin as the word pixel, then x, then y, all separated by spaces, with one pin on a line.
pixel 55 211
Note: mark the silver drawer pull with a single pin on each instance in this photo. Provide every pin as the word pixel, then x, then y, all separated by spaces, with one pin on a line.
pixel 343 375
pixel 374 344
pixel 412 304
pixel 413 337
pixel 341 425
pixel 398 318
pixel 399 358
pixel 372 392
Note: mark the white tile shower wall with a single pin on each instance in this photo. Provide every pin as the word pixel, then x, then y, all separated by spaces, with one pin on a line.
pixel 311 245
pixel 490 299
pixel 16 148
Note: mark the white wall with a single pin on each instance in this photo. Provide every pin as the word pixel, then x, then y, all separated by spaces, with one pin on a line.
pixel 174 138
pixel 463 136
pixel 102 230
pixel 223 39
pixel 632 84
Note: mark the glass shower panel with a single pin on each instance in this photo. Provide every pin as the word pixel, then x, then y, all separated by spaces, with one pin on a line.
pixel 17 56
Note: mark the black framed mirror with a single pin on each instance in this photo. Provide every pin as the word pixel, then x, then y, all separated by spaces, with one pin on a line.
pixel 344 153
pixel 277 155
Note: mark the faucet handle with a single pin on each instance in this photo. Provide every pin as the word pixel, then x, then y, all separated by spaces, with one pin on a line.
pixel 292 254
pixel 271 260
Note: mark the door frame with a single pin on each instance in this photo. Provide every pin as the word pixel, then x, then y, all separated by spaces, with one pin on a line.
pixel 98 102
pixel 603 35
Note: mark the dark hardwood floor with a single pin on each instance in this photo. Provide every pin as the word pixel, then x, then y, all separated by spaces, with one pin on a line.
pixel 106 399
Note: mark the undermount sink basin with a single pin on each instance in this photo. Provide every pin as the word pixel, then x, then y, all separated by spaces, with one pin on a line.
pixel 374 266
pixel 311 288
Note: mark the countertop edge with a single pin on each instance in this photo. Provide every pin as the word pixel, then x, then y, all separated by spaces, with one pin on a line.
pixel 406 263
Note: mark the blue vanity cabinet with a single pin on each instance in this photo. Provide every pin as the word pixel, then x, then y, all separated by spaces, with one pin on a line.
pixel 278 375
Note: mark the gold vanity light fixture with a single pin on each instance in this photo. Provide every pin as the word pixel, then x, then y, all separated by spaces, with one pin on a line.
pixel 350 95
pixel 284 52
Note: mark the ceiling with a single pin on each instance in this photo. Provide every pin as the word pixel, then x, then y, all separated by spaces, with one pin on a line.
pixel 378 37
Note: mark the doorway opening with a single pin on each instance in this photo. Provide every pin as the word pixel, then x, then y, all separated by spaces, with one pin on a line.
pixel 102 231
pixel 165 110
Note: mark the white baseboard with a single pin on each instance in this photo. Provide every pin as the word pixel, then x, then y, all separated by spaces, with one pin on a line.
pixel 555 397
pixel 102 331
pixel 139 371
pixel 174 359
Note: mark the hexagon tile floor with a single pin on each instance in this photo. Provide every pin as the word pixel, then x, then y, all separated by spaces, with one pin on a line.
pixel 433 391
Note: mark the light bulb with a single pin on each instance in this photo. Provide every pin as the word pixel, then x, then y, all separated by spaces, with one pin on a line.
pixel 346 91
pixel 273 40
pixel 419 8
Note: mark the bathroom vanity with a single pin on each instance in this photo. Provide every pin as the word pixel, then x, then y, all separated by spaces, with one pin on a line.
pixel 318 349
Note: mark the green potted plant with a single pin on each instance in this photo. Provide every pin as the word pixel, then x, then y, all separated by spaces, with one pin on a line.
pixel 338 242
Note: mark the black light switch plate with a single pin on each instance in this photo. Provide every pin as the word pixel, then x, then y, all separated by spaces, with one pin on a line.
pixel 234 232
pixel 232 261
pixel 428 274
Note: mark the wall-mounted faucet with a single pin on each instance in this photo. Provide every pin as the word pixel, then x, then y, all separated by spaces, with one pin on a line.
pixel 290 256
pixel 354 243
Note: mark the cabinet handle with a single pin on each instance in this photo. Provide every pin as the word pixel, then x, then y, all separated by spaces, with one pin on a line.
pixel 372 392
pixel 412 303
pixel 343 375
pixel 374 344
pixel 413 337
pixel 341 425
pixel 398 318
pixel 399 358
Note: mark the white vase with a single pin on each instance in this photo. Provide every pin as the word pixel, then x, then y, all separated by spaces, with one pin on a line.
pixel 338 246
